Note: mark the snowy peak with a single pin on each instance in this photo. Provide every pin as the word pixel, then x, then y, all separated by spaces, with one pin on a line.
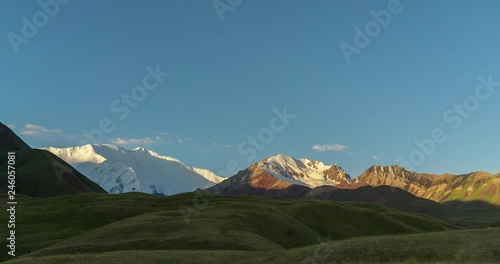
pixel 311 173
pixel 119 170
pixel 78 154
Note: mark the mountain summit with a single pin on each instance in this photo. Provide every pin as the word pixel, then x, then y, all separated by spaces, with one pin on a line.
pixel 311 173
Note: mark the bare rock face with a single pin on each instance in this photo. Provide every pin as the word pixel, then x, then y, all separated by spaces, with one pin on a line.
pixel 480 185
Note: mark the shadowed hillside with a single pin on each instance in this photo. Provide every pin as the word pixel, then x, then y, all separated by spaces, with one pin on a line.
pixel 39 173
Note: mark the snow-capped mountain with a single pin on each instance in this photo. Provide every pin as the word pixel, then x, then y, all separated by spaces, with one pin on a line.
pixel 119 170
pixel 282 176
pixel 311 173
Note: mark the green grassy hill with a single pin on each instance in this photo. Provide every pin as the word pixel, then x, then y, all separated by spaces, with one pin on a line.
pixel 43 173
pixel 92 223
pixel 465 246
pixel 461 213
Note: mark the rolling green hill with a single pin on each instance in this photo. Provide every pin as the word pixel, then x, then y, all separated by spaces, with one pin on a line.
pixel 97 223
pixel 465 246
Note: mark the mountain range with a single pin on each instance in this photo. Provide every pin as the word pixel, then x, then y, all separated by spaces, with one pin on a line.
pixel 115 170
pixel 286 177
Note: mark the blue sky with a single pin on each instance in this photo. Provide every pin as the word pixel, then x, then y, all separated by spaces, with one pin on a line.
pixel 227 76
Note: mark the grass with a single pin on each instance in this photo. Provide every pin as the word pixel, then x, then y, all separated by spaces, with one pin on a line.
pixel 468 214
pixel 92 222
pixel 141 228
pixel 460 213
pixel 465 246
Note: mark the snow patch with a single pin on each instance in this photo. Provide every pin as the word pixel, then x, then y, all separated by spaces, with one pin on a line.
pixel 303 171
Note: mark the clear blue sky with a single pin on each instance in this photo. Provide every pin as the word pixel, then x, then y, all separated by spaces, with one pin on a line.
pixel 226 77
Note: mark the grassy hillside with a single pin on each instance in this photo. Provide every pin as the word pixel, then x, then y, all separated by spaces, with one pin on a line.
pixel 461 213
pixel 465 246
pixel 483 187
pixel 42 174
pixel 39 172
pixel 97 223
pixel 9 141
